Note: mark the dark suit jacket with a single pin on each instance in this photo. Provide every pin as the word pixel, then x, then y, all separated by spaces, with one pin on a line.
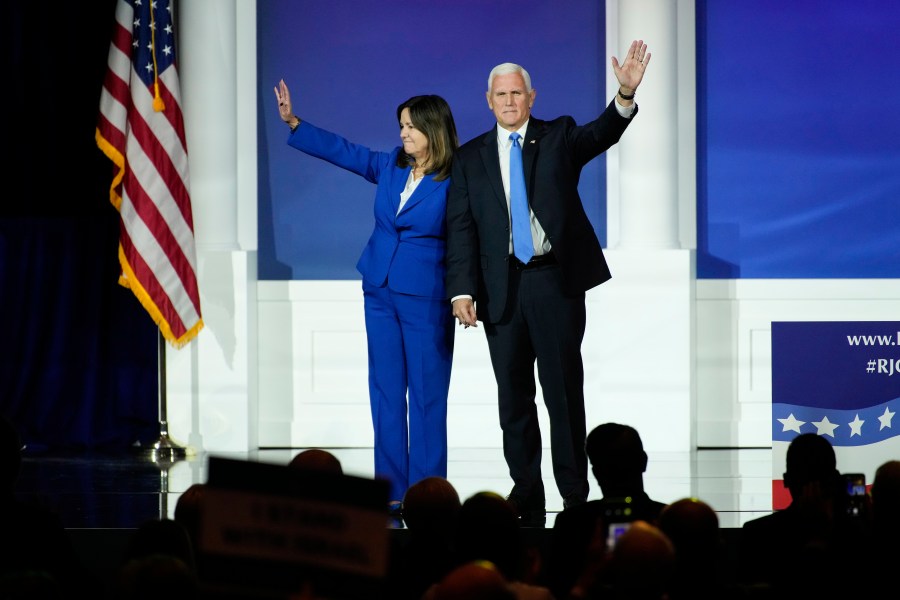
pixel 554 153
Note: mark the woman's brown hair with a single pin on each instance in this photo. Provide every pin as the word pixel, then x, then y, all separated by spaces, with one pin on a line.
pixel 431 115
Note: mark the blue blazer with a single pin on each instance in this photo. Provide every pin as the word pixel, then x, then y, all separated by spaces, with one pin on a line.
pixel 406 250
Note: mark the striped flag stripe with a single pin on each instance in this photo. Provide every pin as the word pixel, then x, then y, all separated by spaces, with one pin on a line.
pixel 143 135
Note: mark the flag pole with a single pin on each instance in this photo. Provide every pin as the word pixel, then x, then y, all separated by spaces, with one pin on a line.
pixel 164 448
pixel 141 84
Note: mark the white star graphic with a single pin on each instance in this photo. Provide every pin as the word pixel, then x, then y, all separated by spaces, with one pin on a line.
pixel 885 419
pixel 791 423
pixel 825 427
pixel 856 426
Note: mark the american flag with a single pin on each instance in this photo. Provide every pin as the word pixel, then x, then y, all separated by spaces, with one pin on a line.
pixel 141 129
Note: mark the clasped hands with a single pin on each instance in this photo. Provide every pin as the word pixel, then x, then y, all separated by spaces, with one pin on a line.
pixel 464 312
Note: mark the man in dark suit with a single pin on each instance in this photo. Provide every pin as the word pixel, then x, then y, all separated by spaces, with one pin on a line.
pixel 533 310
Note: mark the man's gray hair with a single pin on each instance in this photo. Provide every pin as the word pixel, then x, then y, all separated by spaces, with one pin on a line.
pixel 506 69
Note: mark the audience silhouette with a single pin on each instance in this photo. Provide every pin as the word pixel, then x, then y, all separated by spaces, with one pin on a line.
pixel 37 557
pixel 431 510
pixel 642 564
pixel 883 556
pixel 187 513
pixel 639 566
pixel 317 459
pixel 160 536
pixel 702 565
pixel 489 530
pixel 887 485
pixel 809 548
pixel 885 495
pixel 477 549
pixel 618 462
pixel 156 575
pixel 477 580
pixel 158 560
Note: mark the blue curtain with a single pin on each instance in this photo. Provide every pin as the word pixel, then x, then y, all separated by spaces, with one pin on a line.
pixel 79 354
pixel 78 361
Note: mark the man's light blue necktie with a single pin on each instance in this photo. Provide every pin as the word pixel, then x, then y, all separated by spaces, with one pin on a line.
pixel 523 247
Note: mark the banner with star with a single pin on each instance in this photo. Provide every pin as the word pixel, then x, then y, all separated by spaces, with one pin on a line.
pixel 841 380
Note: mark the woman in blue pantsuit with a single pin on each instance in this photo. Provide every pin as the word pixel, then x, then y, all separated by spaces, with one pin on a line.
pixel 408 325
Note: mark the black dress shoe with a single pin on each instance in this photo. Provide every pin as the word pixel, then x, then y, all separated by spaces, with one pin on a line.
pixel 533 518
pixel 531 513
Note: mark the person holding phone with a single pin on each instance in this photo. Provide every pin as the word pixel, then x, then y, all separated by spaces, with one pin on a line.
pixel 790 550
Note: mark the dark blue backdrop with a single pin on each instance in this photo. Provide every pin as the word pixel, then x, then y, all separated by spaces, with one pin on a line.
pixel 798 132
pixel 349 64
pixel 798 138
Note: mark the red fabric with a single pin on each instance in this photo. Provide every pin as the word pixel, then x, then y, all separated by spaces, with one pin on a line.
pixel 141 129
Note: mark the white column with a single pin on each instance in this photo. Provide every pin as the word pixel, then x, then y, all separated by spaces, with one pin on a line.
pixel 212 397
pixel 645 214
pixel 207 58
pixel 638 343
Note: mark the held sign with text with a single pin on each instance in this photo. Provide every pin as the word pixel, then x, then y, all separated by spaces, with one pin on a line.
pixel 841 380
pixel 270 530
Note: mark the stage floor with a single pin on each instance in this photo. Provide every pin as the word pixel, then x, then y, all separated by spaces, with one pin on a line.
pixel 97 491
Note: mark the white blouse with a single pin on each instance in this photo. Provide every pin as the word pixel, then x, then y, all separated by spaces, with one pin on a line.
pixel 411 184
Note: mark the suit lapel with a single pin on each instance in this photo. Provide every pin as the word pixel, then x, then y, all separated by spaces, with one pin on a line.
pixel 530 150
pixel 425 187
pixel 397 185
pixel 490 156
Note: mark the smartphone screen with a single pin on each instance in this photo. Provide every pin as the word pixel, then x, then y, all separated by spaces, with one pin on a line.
pixel 856 493
pixel 614 532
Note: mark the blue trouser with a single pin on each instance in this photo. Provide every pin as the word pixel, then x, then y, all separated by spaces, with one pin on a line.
pixel 410 343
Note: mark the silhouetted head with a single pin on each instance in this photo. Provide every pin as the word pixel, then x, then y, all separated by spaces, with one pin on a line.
pixel 489 529
pixel 431 505
pixel 692 526
pixel 188 511
pixel 642 563
pixel 886 494
pixel 316 459
pixel 156 576
pixel 161 537
pixel 810 459
pixel 477 580
pixel 617 457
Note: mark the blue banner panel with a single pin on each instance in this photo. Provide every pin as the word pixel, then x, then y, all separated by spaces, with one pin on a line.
pixel 841 380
